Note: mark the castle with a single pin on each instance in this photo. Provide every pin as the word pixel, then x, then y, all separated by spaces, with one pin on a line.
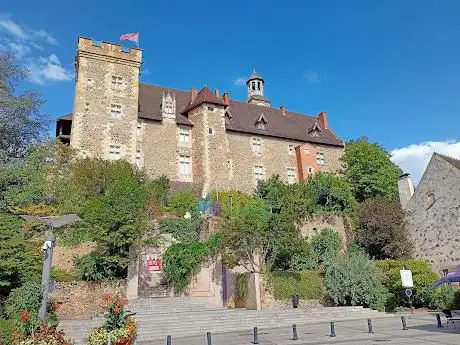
pixel 200 138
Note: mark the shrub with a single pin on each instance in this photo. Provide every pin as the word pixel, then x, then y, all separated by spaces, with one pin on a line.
pixel 422 276
pixel 230 201
pixel 6 331
pixel 241 285
pixel 159 188
pixel 382 229
pixel 184 202
pixel 183 230
pixel 93 267
pixel 119 326
pixel 45 336
pixel 306 284
pixel 353 279
pixel 326 244
pixel 80 232
pixel 183 260
pixel 297 256
pixel 455 304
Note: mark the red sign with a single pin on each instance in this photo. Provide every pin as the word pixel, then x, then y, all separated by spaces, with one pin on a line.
pixel 153 264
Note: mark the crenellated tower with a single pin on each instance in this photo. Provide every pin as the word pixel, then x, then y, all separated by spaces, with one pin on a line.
pixel 105 112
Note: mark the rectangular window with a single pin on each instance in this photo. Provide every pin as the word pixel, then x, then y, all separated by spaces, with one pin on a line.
pixel 290 175
pixel 258 173
pixel 138 159
pixel 115 111
pixel 184 166
pixel 184 136
pixel 257 145
pixel 117 82
pixel 291 149
pixel 139 129
pixel 114 152
pixel 320 158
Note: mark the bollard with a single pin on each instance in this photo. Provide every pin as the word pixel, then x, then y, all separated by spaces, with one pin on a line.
pixel 294 332
pixel 332 329
pixel 369 326
pixel 403 320
pixel 438 318
pixel 208 337
pixel 168 340
pixel 256 336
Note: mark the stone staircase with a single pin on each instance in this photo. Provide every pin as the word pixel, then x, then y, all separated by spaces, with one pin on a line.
pixel 184 316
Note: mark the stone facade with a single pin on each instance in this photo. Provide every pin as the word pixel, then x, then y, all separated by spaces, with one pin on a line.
pixel 109 121
pixel 433 214
pixel 105 111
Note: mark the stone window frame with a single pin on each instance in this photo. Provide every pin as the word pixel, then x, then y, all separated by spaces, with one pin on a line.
pixel 114 152
pixel 291 173
pixel 186 159
pixel 291 149
pixel 210 131
pixel 138 159
pixel 116 108
pixel 139 128
pixel 185 136
pixel 116 82
pixel 256 144
pixel 258 173
pixel 321 158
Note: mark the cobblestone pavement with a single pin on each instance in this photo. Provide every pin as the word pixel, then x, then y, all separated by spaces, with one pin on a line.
pixel 422 330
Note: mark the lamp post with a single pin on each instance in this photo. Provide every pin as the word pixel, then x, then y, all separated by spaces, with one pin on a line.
pixel 48 247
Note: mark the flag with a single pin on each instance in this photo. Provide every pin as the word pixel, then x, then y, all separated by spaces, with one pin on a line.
pixel 134 36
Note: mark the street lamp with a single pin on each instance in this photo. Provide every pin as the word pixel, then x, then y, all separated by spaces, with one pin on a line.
pixel 48 247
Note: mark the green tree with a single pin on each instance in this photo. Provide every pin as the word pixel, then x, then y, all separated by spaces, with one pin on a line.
pixel 330 193
pixel 183 230
pixel 21 122
pixel 183 202
pixel 382 230
pixel 326 244
pixel 367 167
pixel 20 259
pixel 353 279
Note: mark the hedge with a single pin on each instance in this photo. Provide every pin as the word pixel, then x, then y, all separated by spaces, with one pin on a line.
pixel 307 284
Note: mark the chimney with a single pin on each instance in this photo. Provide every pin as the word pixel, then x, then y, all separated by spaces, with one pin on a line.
pixel 406 189
pixel 192 95
pixel 283 110
pixel 216 92
pixel 322 118
pixel 226 98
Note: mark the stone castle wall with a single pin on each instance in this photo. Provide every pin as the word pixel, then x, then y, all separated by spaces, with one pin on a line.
pixel 435 227
pixel 93 127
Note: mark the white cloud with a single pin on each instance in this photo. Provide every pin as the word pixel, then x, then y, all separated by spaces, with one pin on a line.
pixel 12 28
pixel 240 81
pixel 312 77
pixel 25 43
pixel 414 158
pixel 48 69
pixel 46 36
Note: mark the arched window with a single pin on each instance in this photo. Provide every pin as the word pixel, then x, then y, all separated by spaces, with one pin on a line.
pixel 253 86
pixel 258 85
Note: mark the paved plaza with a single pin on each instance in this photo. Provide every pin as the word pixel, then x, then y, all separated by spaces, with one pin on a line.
pixel 422 330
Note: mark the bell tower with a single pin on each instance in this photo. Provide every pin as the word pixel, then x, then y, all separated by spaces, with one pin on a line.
pixel 255 84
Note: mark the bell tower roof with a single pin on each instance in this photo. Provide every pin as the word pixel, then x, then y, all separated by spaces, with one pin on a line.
pixel 255 84
pixel 254 76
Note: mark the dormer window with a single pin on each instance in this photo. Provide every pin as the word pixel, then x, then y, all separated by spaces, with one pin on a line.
pixel 168 105
pixel 261 122
pixel 314 130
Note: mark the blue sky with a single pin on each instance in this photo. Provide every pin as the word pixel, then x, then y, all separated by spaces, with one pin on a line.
pixel 388 70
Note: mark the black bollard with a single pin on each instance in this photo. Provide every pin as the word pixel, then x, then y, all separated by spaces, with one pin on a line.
pixel 369 326
pixel 332 329
pixel 168 340
pixel 294 332
pixel 256 336
pixel 403 320
pixel 208 338
pixel 438 318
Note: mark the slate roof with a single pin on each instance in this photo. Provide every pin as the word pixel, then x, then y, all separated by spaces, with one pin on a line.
pixel 292 125
pixel 455 162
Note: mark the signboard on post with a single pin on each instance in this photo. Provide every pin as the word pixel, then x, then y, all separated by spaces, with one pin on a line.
pixel 406 278
pixel 154 263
